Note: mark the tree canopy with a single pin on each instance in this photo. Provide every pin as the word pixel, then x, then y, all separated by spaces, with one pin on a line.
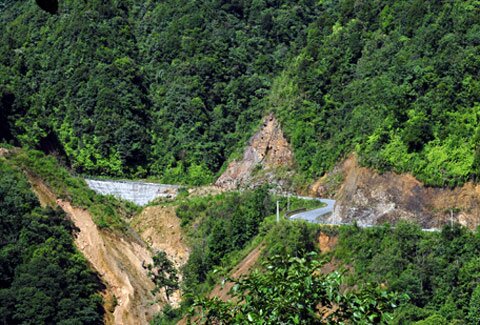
pixel 172 89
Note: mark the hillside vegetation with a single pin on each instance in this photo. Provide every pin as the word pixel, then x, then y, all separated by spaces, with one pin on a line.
pixel 171 89
pixel 439 271
pixel 383 274
pixel 377 275
pixel 108 211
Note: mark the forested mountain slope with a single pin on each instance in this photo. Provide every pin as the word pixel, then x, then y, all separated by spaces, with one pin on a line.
pixel 171 89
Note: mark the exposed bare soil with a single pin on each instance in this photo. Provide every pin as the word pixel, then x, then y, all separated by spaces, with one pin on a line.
pixel 327 243
pixel 117 259
pixel 243 268
pixel 368 197
pixel 160 227
pixel 222 290
pixel 267 150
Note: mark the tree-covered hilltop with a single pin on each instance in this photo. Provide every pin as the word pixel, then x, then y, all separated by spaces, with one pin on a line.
pixel 398 81
pixel 172 88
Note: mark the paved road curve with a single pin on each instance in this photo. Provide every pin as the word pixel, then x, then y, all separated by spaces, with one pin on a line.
pixel 315 214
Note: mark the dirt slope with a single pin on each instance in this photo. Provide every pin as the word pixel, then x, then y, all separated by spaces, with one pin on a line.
pixel 117 260
pixel 368 197
pixel 159 226
pixel 221 291
pixel 267 150
pixel 243 268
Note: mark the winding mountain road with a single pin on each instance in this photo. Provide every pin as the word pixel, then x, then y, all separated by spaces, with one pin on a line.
pixel 141 193
pixel 314 215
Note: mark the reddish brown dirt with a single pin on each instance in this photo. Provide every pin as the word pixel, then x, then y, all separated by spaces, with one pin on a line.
pixel 326 243
pixel 243 268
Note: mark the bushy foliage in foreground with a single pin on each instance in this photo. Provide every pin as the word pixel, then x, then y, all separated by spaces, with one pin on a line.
pixel 293 290
pixel 223 224
pixel 43 278
pixel 439 271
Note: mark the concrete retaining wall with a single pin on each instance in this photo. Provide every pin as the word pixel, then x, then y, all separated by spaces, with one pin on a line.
pixel 139 193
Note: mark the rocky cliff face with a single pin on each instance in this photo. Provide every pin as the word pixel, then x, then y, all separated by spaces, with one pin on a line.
pixel 267 150
pixel 368 197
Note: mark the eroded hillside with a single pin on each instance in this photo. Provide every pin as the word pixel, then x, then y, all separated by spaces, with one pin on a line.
pixel 368 197
pixel 120 261
pixel 160 228
pixel 363 194
pixel 266 152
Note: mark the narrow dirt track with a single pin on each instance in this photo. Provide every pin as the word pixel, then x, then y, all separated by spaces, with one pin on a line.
pixel 243 268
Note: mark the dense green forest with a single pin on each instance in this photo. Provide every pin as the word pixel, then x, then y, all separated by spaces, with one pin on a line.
pixel 43 278
pixel 439 271
pixel 172 89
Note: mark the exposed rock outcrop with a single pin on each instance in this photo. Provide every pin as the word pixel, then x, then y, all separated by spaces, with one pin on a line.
pixel 267 150
pixel 367 197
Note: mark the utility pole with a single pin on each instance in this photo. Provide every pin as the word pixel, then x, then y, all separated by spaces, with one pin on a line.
pixel 278 213
pixel 288 202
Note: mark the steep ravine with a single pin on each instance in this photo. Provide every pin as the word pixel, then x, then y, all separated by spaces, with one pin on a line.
pixel 118 259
